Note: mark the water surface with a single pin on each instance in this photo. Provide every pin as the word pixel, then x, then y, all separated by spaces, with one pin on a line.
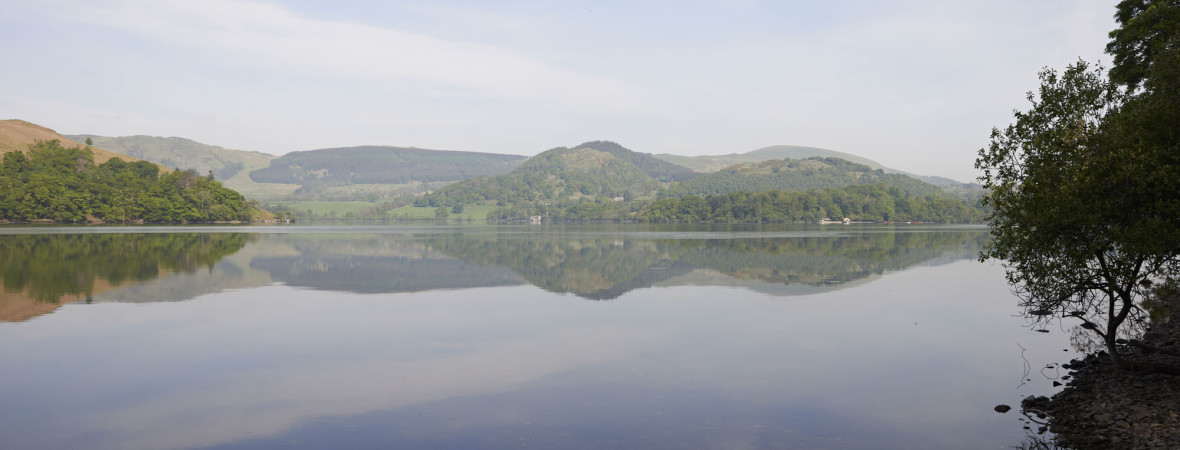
pixel 503 337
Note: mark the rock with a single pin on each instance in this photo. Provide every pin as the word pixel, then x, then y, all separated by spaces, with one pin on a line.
pixel 1032 403
pixel 1003 408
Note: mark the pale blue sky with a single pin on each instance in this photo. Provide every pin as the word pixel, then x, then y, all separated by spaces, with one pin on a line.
pixel 915 85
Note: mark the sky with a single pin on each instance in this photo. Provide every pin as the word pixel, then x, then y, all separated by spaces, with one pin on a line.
pixel 915 85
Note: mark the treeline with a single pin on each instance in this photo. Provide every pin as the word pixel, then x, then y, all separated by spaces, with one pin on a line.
pixel 874 203
pixel 59 184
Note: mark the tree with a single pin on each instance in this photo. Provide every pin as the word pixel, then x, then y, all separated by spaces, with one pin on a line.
pixel 1147 29
pixel 1079 216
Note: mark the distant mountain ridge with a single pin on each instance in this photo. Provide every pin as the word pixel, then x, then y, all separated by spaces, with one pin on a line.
pixel 382 165
pixel 714 163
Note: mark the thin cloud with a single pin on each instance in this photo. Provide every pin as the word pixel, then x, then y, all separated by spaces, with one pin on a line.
pixel 273 37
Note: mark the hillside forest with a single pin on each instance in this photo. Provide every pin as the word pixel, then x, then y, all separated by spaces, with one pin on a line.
pixel 53 183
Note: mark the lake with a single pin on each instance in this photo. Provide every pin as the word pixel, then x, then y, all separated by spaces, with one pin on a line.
pixel 480 336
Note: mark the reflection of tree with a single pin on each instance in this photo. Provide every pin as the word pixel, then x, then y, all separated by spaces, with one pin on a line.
pixel 819 260
pixel 608 268
pixel 53 266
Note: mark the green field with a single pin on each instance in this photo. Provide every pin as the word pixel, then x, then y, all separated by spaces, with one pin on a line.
pixel 323 209
pixel 341 208
pixel 472 212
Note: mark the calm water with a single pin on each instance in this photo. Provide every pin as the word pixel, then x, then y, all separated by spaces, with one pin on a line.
pixel 510 337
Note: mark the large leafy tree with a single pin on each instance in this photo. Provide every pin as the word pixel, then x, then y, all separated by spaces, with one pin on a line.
pixel 1147 29
pixel 1085 185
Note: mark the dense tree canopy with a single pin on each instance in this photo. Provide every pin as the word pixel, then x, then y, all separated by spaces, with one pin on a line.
pixel 61 184
pixel 1148 31
pixel 871 203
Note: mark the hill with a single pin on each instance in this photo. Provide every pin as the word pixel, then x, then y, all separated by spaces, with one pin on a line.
pixel 799 175
pixel 229 166
pixel 714 163
pixel 656 168
pixel 18 135
pixel 382 165
pixel 561 174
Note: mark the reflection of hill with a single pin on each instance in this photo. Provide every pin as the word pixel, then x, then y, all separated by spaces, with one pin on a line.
pixel 376 264
pixel 605 269
pixel 54 269
pixel 41 272
pixel 592 268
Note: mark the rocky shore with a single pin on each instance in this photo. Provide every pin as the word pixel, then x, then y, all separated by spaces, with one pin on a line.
pixel 1102 408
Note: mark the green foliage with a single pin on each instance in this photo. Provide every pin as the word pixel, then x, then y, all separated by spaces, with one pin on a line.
pixel 1147 30
pixel 1084 192
pixel 385 165
pixel 872 203
pixel 62 184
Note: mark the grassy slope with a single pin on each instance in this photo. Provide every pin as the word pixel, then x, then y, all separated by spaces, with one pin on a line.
pixel 16 135
pixel 713 163
pixel 188 154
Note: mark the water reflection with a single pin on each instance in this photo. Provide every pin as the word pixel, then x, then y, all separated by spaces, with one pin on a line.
pixel 363 340
pixel 41 272
pixel 374 264
pixel 606 268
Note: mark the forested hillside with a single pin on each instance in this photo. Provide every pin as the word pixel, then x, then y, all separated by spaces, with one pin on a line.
pixel 583 184
pixel 556 175
pixel 798 175
pixel 50 182
pixel 385 165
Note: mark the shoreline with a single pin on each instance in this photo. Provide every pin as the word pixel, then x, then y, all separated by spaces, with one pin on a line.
pixel 1102 408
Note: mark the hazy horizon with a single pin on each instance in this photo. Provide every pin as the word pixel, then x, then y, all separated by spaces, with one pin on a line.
pixel 915 85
